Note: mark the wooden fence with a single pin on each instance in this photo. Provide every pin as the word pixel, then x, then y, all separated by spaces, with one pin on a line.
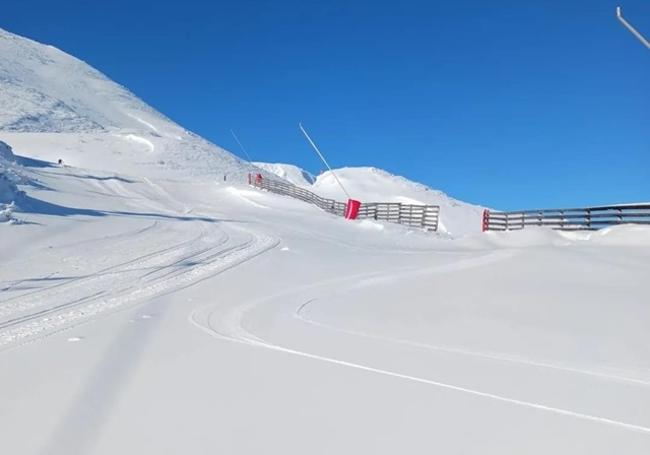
pixel 577 219
pixel 420 216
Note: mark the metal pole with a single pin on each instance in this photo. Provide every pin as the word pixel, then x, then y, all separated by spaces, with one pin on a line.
pixel 241 146
pixel 323 159
pixel 627 25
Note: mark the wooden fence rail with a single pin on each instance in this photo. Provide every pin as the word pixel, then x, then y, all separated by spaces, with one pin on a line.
pixel 420 216
pixel 575 219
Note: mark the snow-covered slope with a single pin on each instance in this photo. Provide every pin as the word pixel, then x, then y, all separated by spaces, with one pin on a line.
pixel 289 172
pixel 369 184
pixel 45 90
pixel 374 185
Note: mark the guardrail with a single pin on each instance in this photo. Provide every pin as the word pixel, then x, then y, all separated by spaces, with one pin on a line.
pixel 419 216
pixel 575 219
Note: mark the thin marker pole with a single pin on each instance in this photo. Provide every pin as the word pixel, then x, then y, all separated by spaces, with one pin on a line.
pixel 241 146
pixel 324 160
pixel 627 25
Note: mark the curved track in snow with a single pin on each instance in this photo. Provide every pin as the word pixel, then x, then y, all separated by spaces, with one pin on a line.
pixel 292 332
pixel 210 252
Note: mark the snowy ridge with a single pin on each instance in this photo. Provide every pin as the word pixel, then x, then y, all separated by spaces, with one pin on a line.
pixel 47 92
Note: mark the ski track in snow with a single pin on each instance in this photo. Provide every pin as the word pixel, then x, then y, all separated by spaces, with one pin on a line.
pixel 254 341
pixel 25 317
pixel 228 325
pixel 145 123
pixel 484 355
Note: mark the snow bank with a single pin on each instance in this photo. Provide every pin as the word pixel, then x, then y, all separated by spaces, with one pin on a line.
pixel 6 212
pixel 631 235
pixel 370 184
pixel 623 235
pixel 6 153
pixel 8 180
pixel 289 172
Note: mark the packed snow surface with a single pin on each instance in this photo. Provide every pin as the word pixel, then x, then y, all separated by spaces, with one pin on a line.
pixel 149 306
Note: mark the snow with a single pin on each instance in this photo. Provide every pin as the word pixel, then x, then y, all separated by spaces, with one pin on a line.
pixel 46 92
pixel 8 183
pixel 369 184
pixel 289 172
pixel 147 306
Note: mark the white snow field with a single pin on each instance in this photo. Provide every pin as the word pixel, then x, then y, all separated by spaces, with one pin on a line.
pixel 149 307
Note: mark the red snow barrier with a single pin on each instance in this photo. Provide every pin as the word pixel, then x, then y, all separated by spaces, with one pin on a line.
pixel 352 209
pixel 486 220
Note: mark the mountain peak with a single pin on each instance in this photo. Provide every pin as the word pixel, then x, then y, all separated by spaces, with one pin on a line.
pixel 48 90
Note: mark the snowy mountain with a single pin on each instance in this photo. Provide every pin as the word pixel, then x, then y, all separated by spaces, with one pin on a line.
pixel 47 91
pixel 54 106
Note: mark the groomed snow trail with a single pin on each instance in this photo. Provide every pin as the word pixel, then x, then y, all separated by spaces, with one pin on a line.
pixel 233 323
pixel 75 301
pixel 79 280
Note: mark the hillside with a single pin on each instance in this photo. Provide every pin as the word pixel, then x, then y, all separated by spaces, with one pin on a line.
pixel 369 184
pixel 54 105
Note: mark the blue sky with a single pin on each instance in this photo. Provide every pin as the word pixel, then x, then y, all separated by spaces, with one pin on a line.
pixel 510 104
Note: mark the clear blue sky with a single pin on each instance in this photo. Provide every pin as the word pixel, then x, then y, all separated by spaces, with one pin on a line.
pixel 511 104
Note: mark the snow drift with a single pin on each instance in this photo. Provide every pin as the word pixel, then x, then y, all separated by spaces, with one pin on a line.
pixel 289 172
pixel 8 179
pixel 369 184
pixel 8 189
